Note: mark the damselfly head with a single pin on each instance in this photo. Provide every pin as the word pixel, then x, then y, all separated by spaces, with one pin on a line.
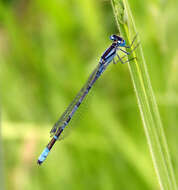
pixel 120 41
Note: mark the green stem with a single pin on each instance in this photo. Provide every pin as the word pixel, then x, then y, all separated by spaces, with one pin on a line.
pixel 146 100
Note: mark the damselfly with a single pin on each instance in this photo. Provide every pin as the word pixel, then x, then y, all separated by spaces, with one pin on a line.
pixel 107 57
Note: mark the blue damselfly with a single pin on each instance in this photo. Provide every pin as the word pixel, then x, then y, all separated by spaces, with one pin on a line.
pixel 107 57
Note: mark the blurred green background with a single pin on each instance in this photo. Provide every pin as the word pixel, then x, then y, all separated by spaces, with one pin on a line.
pixel 47 51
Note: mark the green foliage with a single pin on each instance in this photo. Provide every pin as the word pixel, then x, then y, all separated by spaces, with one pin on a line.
pixel 48 49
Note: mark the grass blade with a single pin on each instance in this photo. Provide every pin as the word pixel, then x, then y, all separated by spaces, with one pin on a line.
pixel 146 100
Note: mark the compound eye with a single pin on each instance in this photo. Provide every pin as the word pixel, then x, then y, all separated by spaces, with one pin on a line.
pixel 112 37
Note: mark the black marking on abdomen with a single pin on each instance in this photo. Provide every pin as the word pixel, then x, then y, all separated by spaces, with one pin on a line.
pixel 78 103
pixel 68 119
pixel 88 87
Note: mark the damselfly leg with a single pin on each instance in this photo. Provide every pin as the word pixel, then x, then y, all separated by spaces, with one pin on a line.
pixel 114 61
pixel 120 59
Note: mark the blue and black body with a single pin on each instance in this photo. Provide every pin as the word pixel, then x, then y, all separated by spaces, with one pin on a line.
pixel 107 57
